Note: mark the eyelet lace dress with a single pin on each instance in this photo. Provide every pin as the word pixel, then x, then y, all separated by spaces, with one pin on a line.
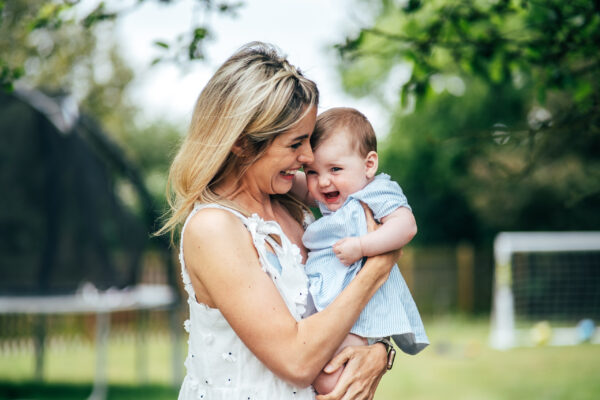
pixel 219 365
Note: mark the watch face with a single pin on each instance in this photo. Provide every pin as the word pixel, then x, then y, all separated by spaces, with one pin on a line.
pixel 391 357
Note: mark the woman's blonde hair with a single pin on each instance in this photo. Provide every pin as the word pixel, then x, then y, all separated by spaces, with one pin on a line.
pixel 254 96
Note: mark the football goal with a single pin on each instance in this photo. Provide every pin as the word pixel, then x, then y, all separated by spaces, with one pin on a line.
pixel 546 289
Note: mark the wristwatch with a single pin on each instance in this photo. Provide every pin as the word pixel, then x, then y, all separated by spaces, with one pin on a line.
pixel 391 352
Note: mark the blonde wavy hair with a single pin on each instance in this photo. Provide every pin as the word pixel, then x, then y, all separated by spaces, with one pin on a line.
pixel 253 97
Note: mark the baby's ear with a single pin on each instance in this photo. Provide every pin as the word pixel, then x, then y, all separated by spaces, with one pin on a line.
pixel 371 164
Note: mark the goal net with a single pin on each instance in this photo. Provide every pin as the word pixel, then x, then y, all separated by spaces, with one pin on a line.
pixel 546 289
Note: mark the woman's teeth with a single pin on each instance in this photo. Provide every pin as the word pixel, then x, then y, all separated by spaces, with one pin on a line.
pixel 290 171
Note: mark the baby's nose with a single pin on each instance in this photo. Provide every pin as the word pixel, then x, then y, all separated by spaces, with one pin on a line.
pixel 324 180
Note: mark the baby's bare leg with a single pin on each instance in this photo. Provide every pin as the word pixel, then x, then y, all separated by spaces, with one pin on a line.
pixel 325 383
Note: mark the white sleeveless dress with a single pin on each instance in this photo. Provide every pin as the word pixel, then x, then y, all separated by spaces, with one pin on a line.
pixel 219 365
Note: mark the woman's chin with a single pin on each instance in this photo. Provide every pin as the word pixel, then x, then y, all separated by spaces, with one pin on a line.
pixel 282 186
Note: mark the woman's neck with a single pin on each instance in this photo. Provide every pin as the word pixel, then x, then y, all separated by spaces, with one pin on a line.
pixel 248 197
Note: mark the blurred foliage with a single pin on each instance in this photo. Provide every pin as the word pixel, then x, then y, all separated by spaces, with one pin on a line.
pixel 54 46
pixel 497 126
pixel 32 16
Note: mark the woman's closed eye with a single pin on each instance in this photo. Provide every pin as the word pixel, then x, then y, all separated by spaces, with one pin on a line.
pixel 296 145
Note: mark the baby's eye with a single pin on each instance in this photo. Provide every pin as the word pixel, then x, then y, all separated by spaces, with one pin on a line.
pixel 336 169
pixel 309 172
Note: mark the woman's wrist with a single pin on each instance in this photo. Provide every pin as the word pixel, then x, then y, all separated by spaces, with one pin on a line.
pixel 382 355
pixel 389 349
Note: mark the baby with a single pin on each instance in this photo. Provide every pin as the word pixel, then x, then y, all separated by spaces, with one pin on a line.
pixel 342 176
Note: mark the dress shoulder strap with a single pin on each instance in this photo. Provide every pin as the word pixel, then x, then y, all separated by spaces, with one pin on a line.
pixel 187 282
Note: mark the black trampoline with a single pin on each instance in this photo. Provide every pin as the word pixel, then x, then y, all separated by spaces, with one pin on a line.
pixel 69 243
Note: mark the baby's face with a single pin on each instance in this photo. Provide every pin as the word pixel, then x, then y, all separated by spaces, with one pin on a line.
pixel 337 171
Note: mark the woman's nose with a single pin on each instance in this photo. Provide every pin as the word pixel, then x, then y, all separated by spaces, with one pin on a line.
pixel 306 156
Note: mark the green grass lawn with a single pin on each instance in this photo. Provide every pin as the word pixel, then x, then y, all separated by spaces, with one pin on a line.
pixel 69 371
pixel 458 365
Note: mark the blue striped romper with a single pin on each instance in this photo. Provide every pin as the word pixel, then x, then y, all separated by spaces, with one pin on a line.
pixel 392 310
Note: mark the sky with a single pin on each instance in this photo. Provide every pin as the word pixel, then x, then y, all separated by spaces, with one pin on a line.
pixel 304 29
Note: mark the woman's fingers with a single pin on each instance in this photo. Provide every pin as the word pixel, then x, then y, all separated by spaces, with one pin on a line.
pixel 338 361
pixel 371 224
pixel 342 386
pixel 364 367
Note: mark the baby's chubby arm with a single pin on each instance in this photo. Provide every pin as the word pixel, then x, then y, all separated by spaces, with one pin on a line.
pixel 397 229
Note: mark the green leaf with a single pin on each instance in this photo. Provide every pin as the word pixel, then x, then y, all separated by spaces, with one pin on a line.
pixel 412 6
pixel 583 91
pixel 99 14
pixel 8 75
pixel 195 47
pixel 161 44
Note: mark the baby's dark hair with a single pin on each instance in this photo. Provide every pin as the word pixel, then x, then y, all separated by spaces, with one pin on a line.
pixel 356 124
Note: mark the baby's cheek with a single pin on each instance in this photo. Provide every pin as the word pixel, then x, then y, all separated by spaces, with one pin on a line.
pixel 312 186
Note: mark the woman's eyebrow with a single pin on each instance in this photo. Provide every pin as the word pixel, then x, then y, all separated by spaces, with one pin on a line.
pixel 301 137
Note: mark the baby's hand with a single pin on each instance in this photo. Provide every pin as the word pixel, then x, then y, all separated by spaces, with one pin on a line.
pixel 348 250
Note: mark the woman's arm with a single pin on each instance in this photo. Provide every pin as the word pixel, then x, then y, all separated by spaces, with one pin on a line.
pixel 224 267
pixel 397 229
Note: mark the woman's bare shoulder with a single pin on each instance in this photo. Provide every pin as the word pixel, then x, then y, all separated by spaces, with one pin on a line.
pixel 216 243
pixel 210 224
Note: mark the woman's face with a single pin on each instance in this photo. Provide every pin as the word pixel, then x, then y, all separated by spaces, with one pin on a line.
pixel 274 172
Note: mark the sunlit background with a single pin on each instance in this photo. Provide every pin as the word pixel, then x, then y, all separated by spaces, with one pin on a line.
pixel 487 114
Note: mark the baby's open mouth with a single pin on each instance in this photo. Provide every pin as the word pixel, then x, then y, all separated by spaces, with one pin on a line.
pixel 331 197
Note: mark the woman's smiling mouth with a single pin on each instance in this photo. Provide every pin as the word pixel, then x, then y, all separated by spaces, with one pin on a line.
pixel 288 174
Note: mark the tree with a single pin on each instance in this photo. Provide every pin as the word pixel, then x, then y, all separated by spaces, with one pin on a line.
pixel 38 19
pixel 58 48
pixel 498 126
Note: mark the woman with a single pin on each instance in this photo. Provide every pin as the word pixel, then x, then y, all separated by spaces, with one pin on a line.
pixel 251 332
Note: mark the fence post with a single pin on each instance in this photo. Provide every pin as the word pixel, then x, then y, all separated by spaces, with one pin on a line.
pixel 100 389
pixel 177 360
pixel 465 262
pixel 39 342
pixel 141 345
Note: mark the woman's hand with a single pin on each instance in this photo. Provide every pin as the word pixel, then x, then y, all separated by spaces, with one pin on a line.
pixel 365 365
pixel 371 223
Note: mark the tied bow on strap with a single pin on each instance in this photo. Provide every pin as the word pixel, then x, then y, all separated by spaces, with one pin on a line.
pixel 292 282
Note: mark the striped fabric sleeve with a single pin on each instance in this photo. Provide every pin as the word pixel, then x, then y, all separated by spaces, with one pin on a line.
pixel 383 196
